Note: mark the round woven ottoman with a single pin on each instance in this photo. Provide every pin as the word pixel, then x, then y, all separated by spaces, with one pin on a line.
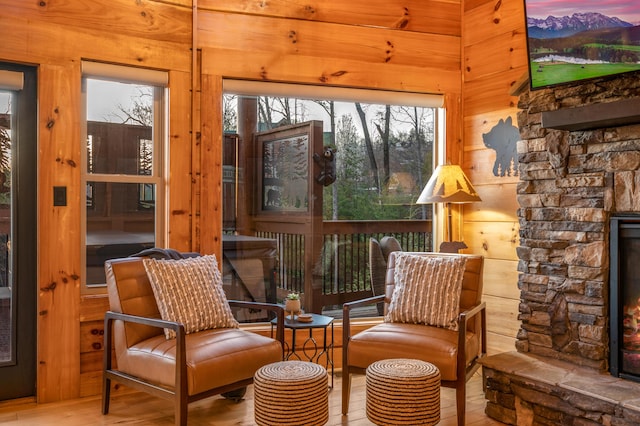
pixel 403 392
pixel 291 393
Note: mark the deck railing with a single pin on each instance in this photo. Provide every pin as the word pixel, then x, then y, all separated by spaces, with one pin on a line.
pixel 342 272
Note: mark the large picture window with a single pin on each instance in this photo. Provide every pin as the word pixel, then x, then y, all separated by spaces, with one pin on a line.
pixel 123 170
pixel 310 176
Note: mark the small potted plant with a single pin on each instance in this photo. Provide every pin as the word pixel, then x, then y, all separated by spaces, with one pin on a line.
pixel 292 303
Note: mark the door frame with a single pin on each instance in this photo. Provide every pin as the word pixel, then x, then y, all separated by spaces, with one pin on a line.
pixel 303 221
pixel 20 376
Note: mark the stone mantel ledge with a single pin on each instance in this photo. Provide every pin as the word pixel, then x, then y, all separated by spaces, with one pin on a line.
pixel 564 375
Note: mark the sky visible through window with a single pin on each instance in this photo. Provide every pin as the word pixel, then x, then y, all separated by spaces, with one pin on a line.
pixel 108 98
pixel 383 154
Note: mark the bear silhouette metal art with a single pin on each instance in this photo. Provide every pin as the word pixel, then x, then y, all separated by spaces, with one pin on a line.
pixel 273 198
pixel 327 163
pixel 452 246
pixel 503 139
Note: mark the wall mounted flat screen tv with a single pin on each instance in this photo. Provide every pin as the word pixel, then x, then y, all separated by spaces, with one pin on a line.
pixel 576 40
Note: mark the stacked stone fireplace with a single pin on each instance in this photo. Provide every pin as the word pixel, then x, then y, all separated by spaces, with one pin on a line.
pixel 579 163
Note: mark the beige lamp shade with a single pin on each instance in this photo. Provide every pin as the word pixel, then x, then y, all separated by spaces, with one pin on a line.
pixel 448 184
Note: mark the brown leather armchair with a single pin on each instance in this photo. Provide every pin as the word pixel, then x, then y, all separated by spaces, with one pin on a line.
pixel 455 353
pixel 378 257
pixel 185 369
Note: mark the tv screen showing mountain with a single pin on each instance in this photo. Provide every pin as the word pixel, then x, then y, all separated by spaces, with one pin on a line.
pixel 576 40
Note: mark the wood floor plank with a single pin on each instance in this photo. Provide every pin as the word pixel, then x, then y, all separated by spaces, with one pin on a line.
pixel 135 408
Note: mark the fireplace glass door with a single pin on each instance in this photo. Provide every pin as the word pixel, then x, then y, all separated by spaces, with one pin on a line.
pixel 625 297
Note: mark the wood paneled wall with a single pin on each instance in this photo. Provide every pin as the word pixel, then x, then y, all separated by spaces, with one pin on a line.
pixel 56 36
pixel 393 45
pixel 494 51
pixel 399 45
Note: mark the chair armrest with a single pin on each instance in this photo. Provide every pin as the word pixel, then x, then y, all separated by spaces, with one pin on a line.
pixel 463 319
pixel 362 302
pixel 346 312
pixel 346 320
pixel 181 346
pixel 153 322
pixel 256 305
pixel 278 310
pixel 470 313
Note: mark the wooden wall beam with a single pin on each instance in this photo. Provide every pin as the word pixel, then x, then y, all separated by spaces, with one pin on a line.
pixel 508 52
pixel 494 52
pixel 210 175
pixel 56 36
pixel 283 38
pixel 391 45
pixel 424 16
pixel 149 20
pixel 339 72
pixel 492 19
pixel 475 92
pixel 180 148
pixel 266 66
pixel 58 258
pixel 39 41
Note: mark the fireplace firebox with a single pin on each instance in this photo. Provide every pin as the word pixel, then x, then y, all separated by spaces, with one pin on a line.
pixel 624 342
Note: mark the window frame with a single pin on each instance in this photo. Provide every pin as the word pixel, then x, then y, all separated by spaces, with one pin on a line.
pixel 376 96
pixel 250 88
pixel 129 75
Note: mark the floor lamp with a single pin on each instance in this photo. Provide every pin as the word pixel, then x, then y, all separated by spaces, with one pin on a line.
pixel 448 185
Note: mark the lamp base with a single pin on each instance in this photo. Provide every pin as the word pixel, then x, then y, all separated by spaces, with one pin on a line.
pixel 452 246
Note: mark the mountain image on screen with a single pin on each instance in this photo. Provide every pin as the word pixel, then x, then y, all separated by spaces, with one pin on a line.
pixel 553 27
pixel 579 47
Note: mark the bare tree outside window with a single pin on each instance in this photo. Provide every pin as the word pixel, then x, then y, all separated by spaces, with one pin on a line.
pixel 399 138
pixel 5 151
pixel 122 183
pixel 140 110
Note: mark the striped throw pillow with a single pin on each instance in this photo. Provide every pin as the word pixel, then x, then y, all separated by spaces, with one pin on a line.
pixel 189 291
pixel 427 290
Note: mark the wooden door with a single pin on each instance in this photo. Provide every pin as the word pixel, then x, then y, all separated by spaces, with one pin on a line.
pixel 288 203
pixel 18 166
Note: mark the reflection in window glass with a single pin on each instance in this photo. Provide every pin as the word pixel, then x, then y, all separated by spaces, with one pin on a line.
pixel 5 149
pixel 119 128
pixel 383 152
pixel 121 185
pixel 7 336
pixel 380 158
pixel 116 226
pixel 145 157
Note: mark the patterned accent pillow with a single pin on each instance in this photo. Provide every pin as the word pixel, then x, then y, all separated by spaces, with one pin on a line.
pixel 189 291
pixel 427 290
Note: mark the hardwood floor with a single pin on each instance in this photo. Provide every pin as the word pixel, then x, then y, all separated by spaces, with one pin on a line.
pixel 136 408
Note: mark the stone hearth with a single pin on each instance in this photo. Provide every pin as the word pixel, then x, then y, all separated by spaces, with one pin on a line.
pixel 525 389
pixel 571 183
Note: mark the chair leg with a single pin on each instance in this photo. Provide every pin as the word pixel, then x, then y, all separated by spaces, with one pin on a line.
pixel 461 402
pixel 106 394
pixel 181 410
pixel 346 389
